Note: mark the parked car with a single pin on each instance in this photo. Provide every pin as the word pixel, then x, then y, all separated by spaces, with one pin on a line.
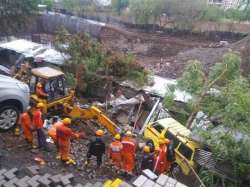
pixel 184 147
pixel 14 99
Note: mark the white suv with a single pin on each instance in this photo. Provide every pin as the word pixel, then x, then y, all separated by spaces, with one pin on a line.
pixel 14 99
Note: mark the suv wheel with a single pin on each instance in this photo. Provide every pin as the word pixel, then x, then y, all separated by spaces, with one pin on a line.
pixel 8 117
pixel 175 170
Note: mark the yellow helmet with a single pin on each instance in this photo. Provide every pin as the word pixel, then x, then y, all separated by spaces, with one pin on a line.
pixel 129 133
pixel 66 121
pixel 167 141
pixel 40 105
pixel 146 149
pixel 117 137
pixel 157 149
pixel 99 132
pixel 39 85
pixel 161 141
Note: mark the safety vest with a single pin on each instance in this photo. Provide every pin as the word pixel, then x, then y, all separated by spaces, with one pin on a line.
pixel 116 147
pixel 129 145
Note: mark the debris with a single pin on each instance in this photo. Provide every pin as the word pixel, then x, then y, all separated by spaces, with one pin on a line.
pixel 40 160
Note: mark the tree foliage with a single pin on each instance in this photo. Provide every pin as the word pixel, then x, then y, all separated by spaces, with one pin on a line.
pixel 118 5
pixel 223 94
pixel 15 14
pixel 144 10
pixel 88 57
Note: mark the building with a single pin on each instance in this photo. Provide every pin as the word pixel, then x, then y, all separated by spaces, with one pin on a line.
pixel 226 4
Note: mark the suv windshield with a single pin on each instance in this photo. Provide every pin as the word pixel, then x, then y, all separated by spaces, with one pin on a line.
pixel 158 127
pixel 185 151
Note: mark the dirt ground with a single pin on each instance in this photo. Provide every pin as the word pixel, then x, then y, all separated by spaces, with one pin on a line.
pixel 167 54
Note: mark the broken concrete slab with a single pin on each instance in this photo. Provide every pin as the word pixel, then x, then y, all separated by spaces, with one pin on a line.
pixel 140 181
pixel 2 171
pixel 33 181
pixel 33 170
pixel 79 185
pixel 66 179
pixel 44 180
pixel 124 184
pixel 148 173
pixel 23 182
pixel 148 183
pixel 10 173
pixel 157 185
pixel 162 179
pixel 97 184
pixel 88 185
pixel 178 184
pixel 171 181
pixel 56 178
pixel 11 183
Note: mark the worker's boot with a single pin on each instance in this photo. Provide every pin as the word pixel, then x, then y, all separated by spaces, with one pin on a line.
pixel 86 163
pixel 34 146
pixel 58 156
pixel 71 161
pixel 17 132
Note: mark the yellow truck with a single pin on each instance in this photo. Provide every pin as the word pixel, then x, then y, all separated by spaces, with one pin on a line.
pixel 60 98
pixel 184 147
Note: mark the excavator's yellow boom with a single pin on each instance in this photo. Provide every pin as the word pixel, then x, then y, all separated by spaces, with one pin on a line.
pixel 92 112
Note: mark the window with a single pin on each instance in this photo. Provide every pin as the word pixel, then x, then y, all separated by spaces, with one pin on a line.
pixel 158 127
pixel 185 151
pixel 173 138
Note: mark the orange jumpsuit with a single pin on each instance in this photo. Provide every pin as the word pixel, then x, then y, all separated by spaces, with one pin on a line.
pixel 26 125
pixel 115 152
pixel 40 92
pixel 38 124
pixel 37 119
pixel 52 130
pixel 161 164
pixel 63 135
pixel 128 154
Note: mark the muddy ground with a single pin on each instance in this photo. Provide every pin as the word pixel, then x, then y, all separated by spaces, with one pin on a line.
pixel 167 54
pixel 15 152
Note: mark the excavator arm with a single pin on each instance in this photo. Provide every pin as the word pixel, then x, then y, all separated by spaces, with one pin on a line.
pixel 92 112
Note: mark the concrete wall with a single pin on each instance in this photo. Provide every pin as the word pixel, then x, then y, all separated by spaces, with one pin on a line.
pixel 53 22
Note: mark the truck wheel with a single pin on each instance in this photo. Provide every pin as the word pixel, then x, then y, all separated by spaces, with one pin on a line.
pixel 175 170
pixel 8 117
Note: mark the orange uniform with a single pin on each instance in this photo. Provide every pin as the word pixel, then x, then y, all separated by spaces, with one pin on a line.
pixel 128 153
pixel 27 127
pixel 52 130
pixel 37 119
pixel 40 92
pixel 63 135
pixel 115 152
pixel 161 164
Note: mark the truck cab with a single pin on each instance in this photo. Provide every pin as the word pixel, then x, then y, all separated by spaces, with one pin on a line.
pixel 53 83
pixel 174 131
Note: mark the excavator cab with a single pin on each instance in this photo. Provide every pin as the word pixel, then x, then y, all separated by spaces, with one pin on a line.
pixel 53 85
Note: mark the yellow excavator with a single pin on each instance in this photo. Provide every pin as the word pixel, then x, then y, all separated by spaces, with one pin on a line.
pixel 61 98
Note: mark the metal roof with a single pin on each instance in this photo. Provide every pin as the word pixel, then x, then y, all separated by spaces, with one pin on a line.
pixel 46 72
pixel 35 50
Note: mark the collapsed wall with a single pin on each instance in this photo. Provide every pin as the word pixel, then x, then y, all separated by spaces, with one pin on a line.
pixel 54 22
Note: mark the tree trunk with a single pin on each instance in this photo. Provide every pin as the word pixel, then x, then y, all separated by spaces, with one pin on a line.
pixel 191 119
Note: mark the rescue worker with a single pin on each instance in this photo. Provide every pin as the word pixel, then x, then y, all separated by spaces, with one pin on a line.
pixel 128 152
pixel 63 136
pixel 26 125
pixel 52 134
pixel 147 159
pixel 96 148
pixel 115 152
pixel 161 164
pixel 40 91
pixel 38 124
